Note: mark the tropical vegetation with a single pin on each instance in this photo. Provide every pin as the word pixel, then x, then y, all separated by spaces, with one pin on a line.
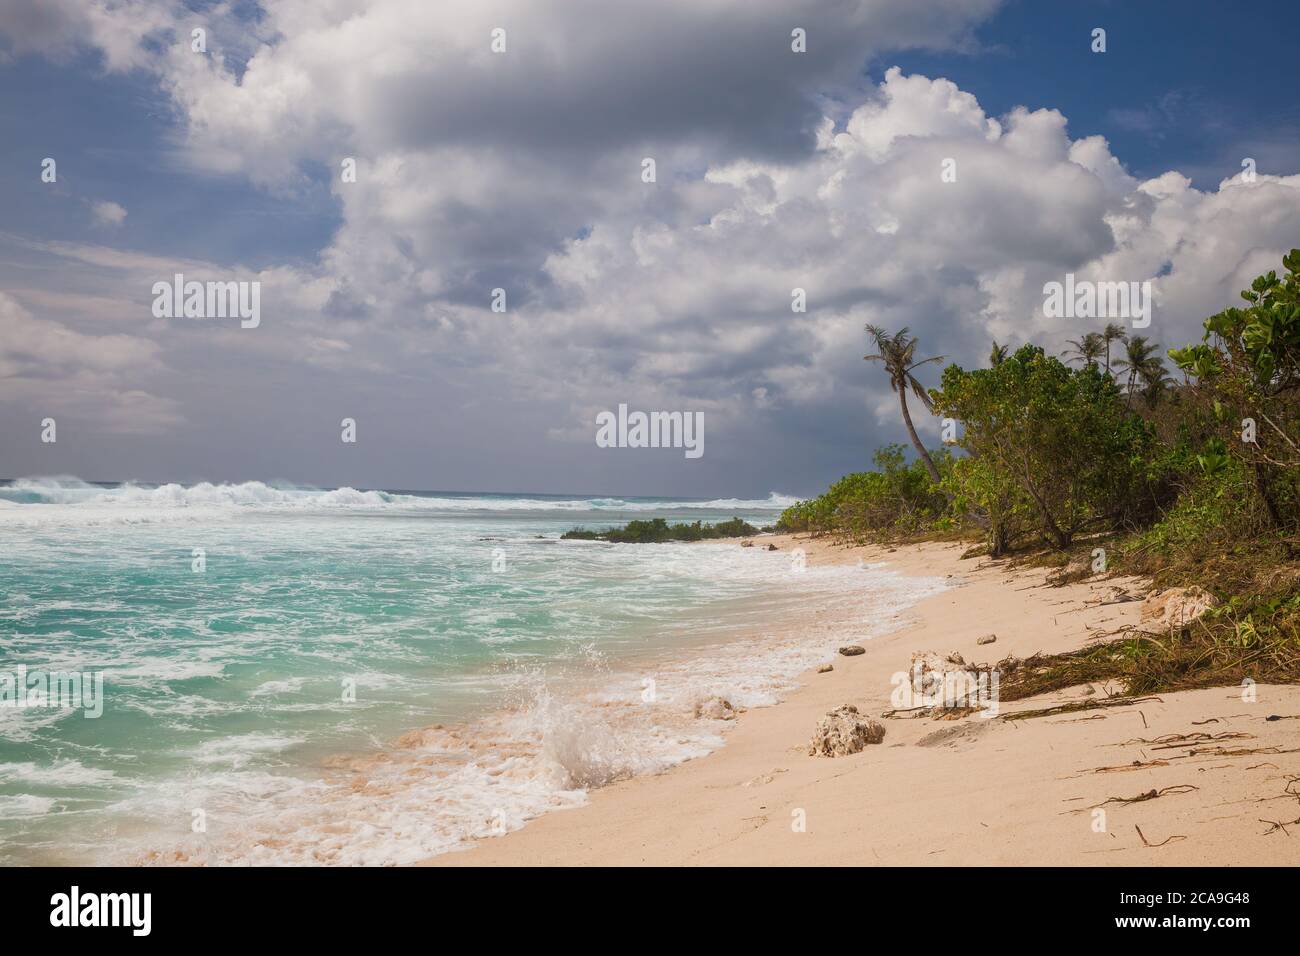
pixel 1190 480
pixel 658 530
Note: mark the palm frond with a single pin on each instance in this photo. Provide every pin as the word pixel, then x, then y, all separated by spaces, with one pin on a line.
pixel 920 392
pixel 932 358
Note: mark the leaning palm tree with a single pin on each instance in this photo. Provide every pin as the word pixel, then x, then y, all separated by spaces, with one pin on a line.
pixel 997 355
pixel 1112 333
pixel 897 352
pixel 1141 359
pixel 1087 349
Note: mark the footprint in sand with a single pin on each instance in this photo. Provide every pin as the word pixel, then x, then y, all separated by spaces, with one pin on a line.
pixel 763 778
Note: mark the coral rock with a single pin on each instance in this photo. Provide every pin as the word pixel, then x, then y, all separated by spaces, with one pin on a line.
pixel 844 731
pixel 1175 607
pixel 929 668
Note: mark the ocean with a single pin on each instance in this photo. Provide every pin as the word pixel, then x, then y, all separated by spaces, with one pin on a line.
pixel 333 676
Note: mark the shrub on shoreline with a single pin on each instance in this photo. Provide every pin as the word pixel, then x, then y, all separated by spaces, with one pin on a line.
pixel 1191 483
pixel 897 500
pixel 658 530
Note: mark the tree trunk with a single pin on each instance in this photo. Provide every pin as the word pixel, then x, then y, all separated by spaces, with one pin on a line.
pixel 911 430
pixel 999 542
pixel 1055 536
pixel 980 520
pixel 1061 539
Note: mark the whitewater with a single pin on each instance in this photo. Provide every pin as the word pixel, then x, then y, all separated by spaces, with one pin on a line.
pixel 375 677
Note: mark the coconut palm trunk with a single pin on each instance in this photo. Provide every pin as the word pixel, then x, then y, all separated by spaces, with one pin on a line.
pixel 1112 333
pixel 1140 360
pixel 897 353
pixel 916 440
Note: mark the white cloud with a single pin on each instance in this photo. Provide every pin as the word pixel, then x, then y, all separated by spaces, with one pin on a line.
pixel 108 213
pixel 523 171
pixel 50 344
pixel 53 368
pixel 914 106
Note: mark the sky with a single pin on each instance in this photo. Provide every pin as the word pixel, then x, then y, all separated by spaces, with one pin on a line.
pixel 524 170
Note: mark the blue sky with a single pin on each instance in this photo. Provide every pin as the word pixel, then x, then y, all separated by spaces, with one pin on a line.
pixel 522 171
pixel 113 136
pixel 1181 86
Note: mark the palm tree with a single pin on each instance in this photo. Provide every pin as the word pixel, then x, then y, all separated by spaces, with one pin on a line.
pixel 997 355
pixel 1155 381
pixel 1087 349
pixel 1112 333
pixel 1141 359
pixel 897 353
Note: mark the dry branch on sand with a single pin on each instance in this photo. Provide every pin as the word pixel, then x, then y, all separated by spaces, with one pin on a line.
pixel 1145 842
pixel 1135 765
pixel 1139 798
pixel 1079 705
pixel 1175 741
pixel 1151 794
pixel 1275 826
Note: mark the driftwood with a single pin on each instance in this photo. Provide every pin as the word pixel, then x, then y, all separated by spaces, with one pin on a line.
pixel 1079 705
pixel 1146 842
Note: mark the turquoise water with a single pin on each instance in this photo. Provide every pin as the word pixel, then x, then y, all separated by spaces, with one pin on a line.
pixel 366 677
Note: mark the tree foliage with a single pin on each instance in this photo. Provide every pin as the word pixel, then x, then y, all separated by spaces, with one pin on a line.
pixel 1247 367
pixel 1050 450
pixel 1050 440
pixel 895 500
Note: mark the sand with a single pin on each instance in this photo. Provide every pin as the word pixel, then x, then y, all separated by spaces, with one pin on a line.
pixel 972 791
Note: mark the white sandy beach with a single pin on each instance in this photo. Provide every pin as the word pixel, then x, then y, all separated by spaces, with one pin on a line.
pixel 973 791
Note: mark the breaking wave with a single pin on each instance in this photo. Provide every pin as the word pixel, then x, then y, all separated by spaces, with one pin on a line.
pixel 257 494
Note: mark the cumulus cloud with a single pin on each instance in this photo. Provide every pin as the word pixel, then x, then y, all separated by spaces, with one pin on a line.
pixel 394 76
pixel 775 171
pixel 869 229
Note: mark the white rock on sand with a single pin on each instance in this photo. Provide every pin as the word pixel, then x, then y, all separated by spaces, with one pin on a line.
pixel 932 668
pixel 1175 607
pixel 844 731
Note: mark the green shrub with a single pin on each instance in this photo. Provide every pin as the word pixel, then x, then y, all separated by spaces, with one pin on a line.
pixel 1248 369
pixel 1052 441
pixel 898 499
pixel 658 530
